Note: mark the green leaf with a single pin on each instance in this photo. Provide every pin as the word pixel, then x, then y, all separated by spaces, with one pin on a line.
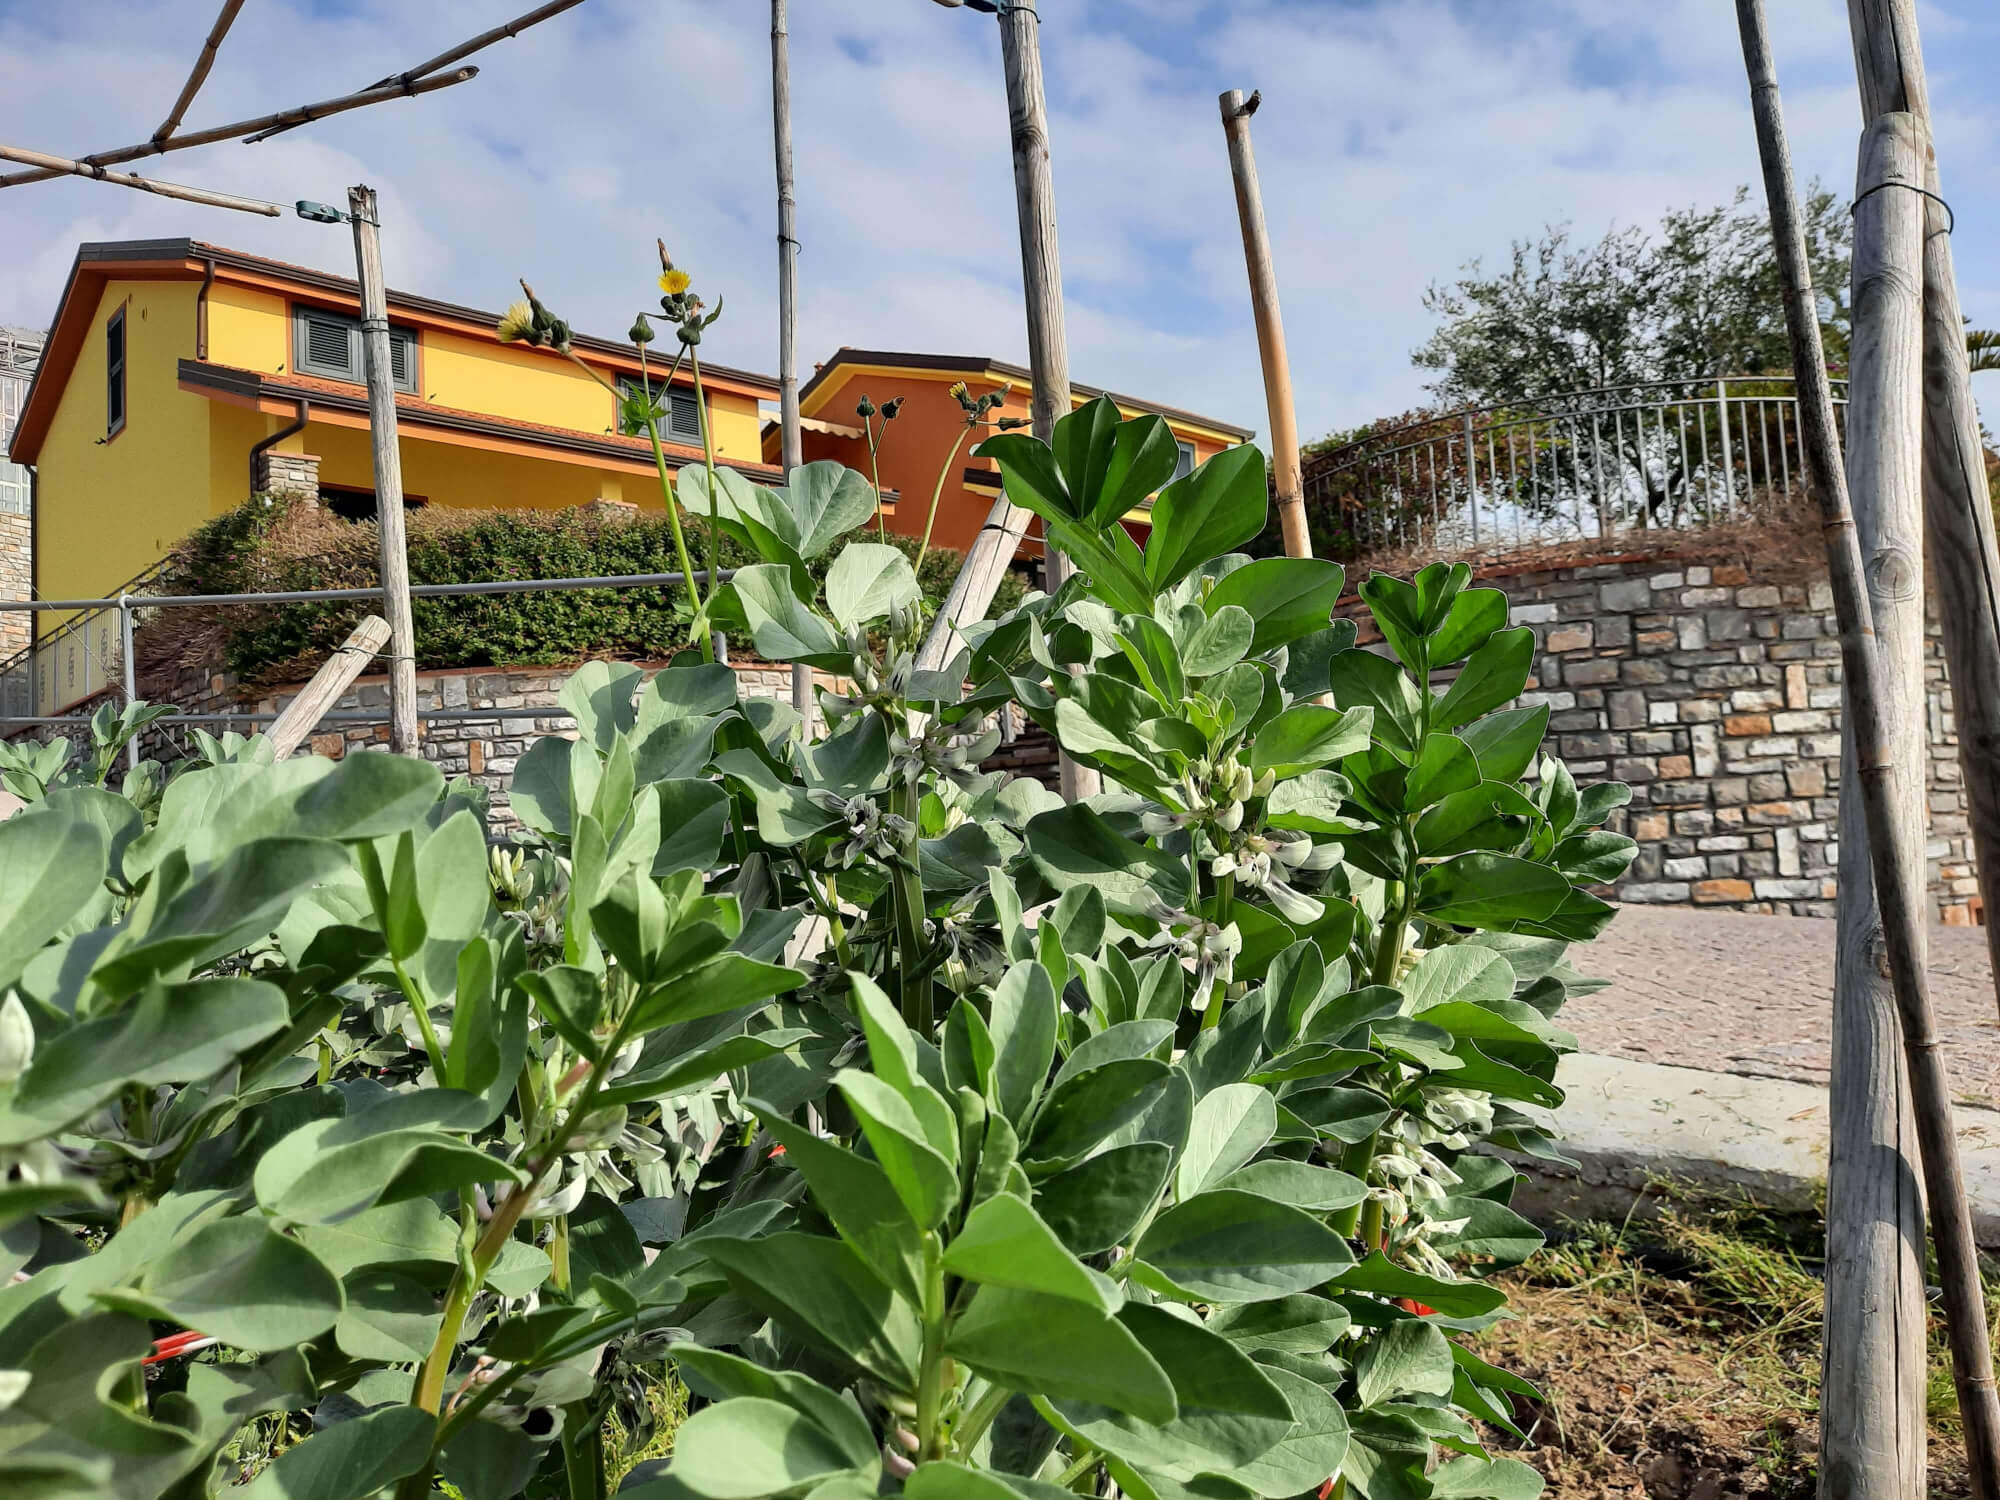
pixel 1023 1010
pixel 782 627
pixel 1361 679
pixel 1073 846
pixel 751 1446
pixel 1223 641
pixel 1112 465
pixel 1469 1478
pixel 1443 766
pixel 720 1376
pixel 1307 736
pixel 1408 1358
pixel 1221 505
pixel 485 1458
pixel 826 500
pixel 823 1292
pixel 388 1316
pixel 1475 614
pixel 925 1181
pixel 727 982
pixel 868 581
pixel 1491 816
pixel 173 1033
pixel 1231 1125
pixel 858 1197
pixel 1030 475
pixel 452 889
pixel 1316 1445
pixel 1028 1341
pixel 1287 597
pixel 1477 976
pixel 1489 890
pixel 240 1281
pixel 1154 658
pixel 1094 1205
pixel 1506 742
pixel 1321 1189
pixel 1004 1242
pixel 1086 1109
pixel 1479 1226
pixel 1458 1299
pixel 349 1460
pixel 329 1170
pixel 1229 1246
pixel 599 696
pixel 1492 675
pixel 1301 1324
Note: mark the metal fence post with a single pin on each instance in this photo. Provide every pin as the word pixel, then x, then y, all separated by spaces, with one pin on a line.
pixel 1471 480
pixel 1728 468
pixel 130 672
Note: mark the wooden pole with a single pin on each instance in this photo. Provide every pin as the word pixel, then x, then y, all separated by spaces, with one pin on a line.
pixel 299 116
pixel 1872 1380
pixel 790 443
pixel 1048 353
pixel 1270 324
pixel 336 674
pixel 58 166
pixel 1958 511
pixel 202 64
pixel 395 558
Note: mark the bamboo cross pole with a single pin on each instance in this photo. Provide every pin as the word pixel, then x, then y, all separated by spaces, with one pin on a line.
pixel 791 447
pixel 1048 354
pixel 1873 1365
pixel 503 32
pixel 336 674
pixel 1290 487
pixel 300 115
pixel 1958 511
pixel 394 549
pixel 58 166
pixel 202 64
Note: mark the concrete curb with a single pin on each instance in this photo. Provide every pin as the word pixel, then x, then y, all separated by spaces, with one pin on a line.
pixel 1629 1124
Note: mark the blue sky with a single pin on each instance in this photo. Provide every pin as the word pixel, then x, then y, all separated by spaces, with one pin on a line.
pixel 1399 139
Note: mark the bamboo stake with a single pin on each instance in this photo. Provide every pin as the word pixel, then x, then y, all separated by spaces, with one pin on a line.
pixel 1048 354
pixel 1872 1427
pixel 1958 511
pixel 301 115
pixel 61 166
pixel 336 674
pixel 1290 487
pixel 463 50
pixel 790 442
pixel 394 549
pixel 201 66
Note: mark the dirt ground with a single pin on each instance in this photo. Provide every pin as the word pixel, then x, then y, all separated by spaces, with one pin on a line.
pixel 1679 1363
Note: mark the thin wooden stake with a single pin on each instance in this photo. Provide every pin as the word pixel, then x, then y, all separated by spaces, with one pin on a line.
pixel 301 115
pixel 336 674
pixel 60 166
pixel 202 64
pixel 791 446
pixel 1270 324
pixel 1048 354
pixel 1958 511
pixel 394 549
pixel 1872 1384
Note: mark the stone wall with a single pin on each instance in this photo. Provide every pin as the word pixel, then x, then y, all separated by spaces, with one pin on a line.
pixel 16 573
pixel 1715 692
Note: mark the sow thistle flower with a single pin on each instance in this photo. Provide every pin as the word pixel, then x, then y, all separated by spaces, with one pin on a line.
pixel 674 281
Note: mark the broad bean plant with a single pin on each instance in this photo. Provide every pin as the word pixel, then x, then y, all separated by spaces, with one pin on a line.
pixel 941 1138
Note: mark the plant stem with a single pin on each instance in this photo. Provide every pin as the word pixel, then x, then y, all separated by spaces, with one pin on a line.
pixel 1085 1462
pixel 875 472
pixel 1371 1224
pixel 1354 1161
pixel 432 1048
pixel 559 1253
pixel 979 1416
pixel 708 459
pixel 1395 926
pixel 698 628
pixel 937 493
pixel 907 892
pixel 1225 907
pixel 930 1370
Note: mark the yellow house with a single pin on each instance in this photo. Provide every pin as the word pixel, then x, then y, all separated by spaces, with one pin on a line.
pixel 182 377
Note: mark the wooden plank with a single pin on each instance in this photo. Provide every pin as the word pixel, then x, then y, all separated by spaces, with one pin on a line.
pixel 336 674
pixel 388 458
pixel 1285 474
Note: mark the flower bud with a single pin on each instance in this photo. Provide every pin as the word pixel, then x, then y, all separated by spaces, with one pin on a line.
pixel 1230 818
pixel 641 331
pixel 17 1038
pixel 864 408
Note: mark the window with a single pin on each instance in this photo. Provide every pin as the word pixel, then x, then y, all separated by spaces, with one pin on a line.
pixel 1184 465
pixel 352 504
pixel 329 344
pixel 682 422
pixel 114 374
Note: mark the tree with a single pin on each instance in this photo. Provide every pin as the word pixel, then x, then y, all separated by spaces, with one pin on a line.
pixel 1699 298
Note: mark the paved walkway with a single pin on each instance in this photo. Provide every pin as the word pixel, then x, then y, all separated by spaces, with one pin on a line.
pixel 1750 995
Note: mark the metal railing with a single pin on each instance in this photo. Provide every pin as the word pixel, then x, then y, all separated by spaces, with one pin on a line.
pixel 1662 454
pixel 119 673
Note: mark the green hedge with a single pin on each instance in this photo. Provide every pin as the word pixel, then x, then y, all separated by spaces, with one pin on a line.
pixel 278 545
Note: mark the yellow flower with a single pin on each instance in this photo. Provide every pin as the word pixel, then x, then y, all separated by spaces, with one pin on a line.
pixel 674 282
pixel 515 323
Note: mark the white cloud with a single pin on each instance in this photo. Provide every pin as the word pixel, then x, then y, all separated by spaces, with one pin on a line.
pixel 1398 141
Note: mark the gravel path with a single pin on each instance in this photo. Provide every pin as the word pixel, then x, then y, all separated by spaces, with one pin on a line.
pixel 1746 994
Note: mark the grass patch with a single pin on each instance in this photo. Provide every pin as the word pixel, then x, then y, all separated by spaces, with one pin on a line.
pixel 1679 1356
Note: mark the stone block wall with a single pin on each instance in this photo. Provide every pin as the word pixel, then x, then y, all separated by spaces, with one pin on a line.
pixel 1714 690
